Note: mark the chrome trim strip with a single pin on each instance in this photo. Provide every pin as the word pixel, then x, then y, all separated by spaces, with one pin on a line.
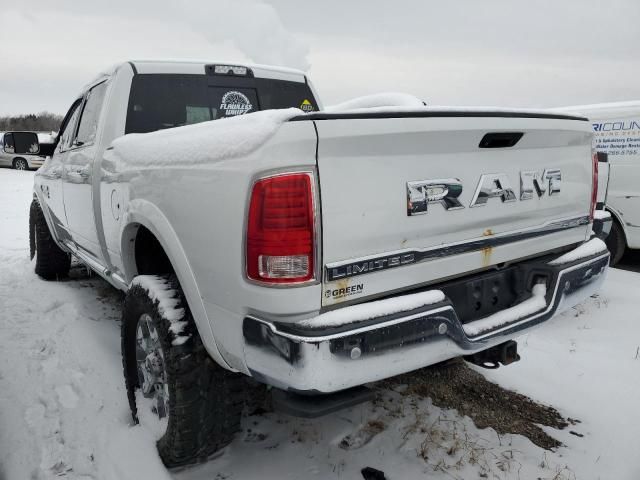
pixel 410 256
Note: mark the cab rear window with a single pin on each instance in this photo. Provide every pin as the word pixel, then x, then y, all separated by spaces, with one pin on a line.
pixel 159 101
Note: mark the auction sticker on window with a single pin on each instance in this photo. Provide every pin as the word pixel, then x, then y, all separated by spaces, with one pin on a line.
pixel 306 106
pixel 235 103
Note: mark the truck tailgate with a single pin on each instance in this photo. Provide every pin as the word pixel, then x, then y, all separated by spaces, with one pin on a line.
pixel 411 200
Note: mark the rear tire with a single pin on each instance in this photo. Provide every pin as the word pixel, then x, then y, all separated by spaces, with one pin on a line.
pixel 616 243
pixel 51 261
pixel 205 401
pixel 20 164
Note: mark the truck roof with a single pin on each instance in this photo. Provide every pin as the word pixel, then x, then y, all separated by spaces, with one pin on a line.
pixel 196 67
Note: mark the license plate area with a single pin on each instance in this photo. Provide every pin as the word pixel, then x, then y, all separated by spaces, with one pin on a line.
pixel 486 294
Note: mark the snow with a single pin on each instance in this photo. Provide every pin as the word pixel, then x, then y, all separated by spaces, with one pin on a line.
pixel 533 304
pixel 377 100
pixel 64 411
pixel 161 292
pixel 376 309
pixel 201 143
pixel 587 249
pixel 46 137
pixel 601 215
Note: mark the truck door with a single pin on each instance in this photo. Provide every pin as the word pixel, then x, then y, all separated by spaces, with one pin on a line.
pixel 77 182
pixel 50 174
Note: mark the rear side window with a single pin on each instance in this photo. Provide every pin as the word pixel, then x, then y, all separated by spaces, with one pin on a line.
pixel 159 101
pixel 91 114
pixel 283 94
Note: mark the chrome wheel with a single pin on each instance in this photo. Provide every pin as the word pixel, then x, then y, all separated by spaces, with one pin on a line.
pixel 152 374
pixel 21 164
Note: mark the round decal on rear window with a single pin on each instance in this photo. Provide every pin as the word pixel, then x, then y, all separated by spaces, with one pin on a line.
pixel 235 103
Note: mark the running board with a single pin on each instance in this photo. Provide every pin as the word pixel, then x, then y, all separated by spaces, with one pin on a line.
pixel 101 270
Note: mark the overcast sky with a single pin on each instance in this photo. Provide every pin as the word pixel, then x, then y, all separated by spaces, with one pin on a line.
pixel 462 52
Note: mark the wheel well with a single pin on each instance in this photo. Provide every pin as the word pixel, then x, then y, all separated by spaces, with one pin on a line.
pixel 150 257
pixel 616 219
pixel 16 159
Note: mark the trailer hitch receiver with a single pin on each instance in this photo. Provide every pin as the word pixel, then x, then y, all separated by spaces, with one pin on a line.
pixel 505 354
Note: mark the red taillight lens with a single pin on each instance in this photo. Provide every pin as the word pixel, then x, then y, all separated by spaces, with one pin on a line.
pixel 594 186
pixel 281 229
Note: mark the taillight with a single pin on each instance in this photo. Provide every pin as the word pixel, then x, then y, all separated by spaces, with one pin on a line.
pixel 281 229
pixel 594 185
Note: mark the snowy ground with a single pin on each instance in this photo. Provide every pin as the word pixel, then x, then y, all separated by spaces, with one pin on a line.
pixel 63 410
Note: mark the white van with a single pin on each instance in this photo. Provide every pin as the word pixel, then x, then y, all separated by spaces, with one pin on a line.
pixel 616 128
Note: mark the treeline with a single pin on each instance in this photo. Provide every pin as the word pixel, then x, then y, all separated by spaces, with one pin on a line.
pixel 42 122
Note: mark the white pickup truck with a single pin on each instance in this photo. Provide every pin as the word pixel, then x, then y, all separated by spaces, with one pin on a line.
pixel 314 251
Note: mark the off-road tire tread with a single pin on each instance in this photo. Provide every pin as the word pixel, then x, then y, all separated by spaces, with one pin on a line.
pixel 205 400
pixel 51 261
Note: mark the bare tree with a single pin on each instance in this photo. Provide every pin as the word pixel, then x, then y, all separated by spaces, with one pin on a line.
pixel 41 122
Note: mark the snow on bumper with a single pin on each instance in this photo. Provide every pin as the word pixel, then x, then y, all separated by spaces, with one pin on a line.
pixel 301 358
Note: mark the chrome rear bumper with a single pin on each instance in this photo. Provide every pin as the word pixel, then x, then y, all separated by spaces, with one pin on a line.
pixel 322 361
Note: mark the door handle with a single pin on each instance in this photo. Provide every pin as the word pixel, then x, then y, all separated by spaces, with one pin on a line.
pixel 55 172
pixel 76 172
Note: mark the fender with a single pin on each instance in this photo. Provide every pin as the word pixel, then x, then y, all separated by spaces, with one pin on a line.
pixel 618 218
pixel 145 213
pixel 631 233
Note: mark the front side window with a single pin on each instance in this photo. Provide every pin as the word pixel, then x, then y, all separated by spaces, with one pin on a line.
pixel 67 134
pixel 91 114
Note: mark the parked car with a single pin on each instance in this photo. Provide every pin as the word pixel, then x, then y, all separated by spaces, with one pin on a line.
pixel 23 150
pixel 616 128
pixel 314 252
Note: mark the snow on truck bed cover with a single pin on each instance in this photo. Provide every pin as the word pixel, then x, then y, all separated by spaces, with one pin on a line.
pixel 202 143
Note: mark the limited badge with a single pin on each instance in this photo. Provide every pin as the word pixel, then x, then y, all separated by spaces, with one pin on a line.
pixel 306 106
pixel 235 103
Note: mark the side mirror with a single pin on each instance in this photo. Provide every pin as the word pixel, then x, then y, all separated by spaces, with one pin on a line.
pixel 21 143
